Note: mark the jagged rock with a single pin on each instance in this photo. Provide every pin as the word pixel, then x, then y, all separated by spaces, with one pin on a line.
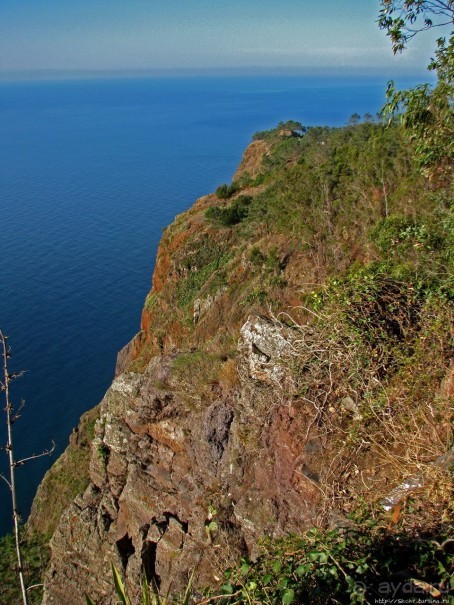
pixel 201 305
pixel 156 470
pixel 85 553
pixel 410 485
pixel 217 428
pixel 251 162
pixel 263 344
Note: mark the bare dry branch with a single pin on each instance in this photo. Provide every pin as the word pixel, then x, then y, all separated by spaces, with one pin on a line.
pixel 5 480
pixel 7 377
pixel 47 452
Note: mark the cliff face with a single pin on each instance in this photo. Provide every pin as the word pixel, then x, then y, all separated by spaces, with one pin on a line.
pixel 179 482
pixel 192 460
pixel 237 412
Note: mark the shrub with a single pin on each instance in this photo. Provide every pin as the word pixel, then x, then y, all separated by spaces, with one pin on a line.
pixel 399 232
pixel 194 374
pixel 225 191
pixel 233 214
pixel 200 262
pixel 351 566
pixel 256 256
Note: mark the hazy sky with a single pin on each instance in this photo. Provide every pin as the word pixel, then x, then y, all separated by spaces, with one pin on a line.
pixel 151 34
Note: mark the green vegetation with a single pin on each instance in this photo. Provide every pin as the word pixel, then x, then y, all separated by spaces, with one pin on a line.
pixel 233 214
pixel 200 263
pixel 426 112
pixel 360 564
pixel 282 129
pixel 225 191
pixel 35 552
pixel 329 177
pixel 404 19
pixel 194 374
pixel 427 116
pixel 68 477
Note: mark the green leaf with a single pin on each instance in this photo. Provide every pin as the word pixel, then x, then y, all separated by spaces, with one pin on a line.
pixel 288 597
pixel 145 591
pixel 333 571
pixel 187 593
pixel 227 588
pixel 283 583
pixel 212 526
pixel 276 566
pixel 301 570
pixel 244 569
pixel 267 579
pixel 88 600
pixel 119 588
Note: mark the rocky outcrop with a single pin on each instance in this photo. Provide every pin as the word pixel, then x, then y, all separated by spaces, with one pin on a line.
pixel 263 344
pixel 252 159
pixel 161 470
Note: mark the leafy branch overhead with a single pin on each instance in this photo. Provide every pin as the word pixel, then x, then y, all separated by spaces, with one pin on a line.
pixel 425 112
pixel 403 19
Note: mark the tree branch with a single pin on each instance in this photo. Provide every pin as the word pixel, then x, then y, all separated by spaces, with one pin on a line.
pixel 36 456
pixel 5 480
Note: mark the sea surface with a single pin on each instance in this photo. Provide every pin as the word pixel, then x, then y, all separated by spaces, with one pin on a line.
pixel 90 173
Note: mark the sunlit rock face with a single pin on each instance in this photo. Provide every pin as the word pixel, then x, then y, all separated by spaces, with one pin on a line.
pixel 161 473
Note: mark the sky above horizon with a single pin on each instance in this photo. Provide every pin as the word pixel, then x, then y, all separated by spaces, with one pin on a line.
pixel 201 34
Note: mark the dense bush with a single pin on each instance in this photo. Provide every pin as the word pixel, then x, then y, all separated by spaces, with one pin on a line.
pixel 231 215
pixel 225 191
pixel 360 564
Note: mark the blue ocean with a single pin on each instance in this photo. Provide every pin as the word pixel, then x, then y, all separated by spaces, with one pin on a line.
pixel 90 173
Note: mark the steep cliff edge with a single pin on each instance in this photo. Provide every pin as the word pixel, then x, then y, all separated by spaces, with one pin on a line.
pixel 293 359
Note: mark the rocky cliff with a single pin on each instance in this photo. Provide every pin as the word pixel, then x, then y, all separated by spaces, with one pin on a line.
pixel 258 394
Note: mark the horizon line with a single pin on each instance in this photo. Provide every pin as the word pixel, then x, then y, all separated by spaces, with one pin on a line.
pixel 253 70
